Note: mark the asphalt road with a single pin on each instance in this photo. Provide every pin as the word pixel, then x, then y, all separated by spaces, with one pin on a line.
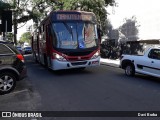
pixel 102 88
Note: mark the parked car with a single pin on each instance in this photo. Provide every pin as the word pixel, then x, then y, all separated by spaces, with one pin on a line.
pixel 12 67
pixel 19 48
pixel 148 64
pixel 27 50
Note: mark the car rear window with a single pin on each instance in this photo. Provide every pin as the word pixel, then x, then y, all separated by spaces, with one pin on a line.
pixel 5 50
pixel 13 48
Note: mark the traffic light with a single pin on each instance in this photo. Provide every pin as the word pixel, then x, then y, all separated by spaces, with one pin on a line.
pixel 6 20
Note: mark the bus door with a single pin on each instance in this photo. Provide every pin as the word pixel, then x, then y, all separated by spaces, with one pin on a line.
pixel 48 45
pixel 37 52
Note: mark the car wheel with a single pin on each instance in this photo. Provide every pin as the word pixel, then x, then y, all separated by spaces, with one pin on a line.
pixel 7 82
pixel 129 70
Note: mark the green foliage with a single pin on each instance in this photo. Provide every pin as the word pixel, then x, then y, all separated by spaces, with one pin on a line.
pixel 25 37
pixel 38 9
pixel 10 36
pixel 4 5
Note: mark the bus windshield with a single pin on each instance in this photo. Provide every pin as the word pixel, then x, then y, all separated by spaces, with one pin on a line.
pixel 75 35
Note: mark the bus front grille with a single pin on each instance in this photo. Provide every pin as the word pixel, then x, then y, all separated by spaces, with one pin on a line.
pixel 78 63
pixel 78 59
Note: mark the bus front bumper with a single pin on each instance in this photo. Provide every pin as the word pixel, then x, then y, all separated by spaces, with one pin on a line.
pixel 60 65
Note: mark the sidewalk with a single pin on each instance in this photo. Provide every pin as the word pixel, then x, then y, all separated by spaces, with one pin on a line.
pixel 110 62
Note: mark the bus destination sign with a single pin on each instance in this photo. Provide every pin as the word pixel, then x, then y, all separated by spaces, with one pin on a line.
pixel 85 17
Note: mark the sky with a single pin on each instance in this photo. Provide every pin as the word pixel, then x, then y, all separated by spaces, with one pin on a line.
pixel 23 28
pixel 146 12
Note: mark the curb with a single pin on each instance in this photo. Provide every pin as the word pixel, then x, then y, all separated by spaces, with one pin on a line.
pixel 110 64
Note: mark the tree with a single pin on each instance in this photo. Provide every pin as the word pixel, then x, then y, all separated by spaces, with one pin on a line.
pixel 130 29
pixel 9 36
pixel 4 5
pixel 31 9
pixel 25 10
pixel 38 9
pixel 25 37
pixel 109 29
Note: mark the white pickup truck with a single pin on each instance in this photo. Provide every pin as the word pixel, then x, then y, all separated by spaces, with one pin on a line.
pixel 148 64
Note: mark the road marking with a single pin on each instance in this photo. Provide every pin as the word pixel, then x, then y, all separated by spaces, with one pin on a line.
pixel 17 92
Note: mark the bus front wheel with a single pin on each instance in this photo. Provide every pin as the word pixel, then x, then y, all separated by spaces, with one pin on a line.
pixel 45 61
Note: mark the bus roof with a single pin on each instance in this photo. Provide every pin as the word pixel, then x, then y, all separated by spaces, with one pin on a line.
pixel 71 11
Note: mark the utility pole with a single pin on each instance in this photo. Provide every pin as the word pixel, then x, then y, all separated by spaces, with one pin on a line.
pixel 16 4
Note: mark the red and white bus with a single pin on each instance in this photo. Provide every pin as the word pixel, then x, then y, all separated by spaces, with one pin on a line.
pixel 67 39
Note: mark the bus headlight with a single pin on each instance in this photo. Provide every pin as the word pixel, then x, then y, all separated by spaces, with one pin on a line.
pixel 59 57
pixel 96 55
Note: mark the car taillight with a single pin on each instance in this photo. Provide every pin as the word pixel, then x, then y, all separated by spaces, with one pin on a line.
pixel 20 57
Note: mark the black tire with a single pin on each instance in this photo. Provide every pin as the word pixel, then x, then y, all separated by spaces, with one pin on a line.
pixel 7 82
pixel 130 70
